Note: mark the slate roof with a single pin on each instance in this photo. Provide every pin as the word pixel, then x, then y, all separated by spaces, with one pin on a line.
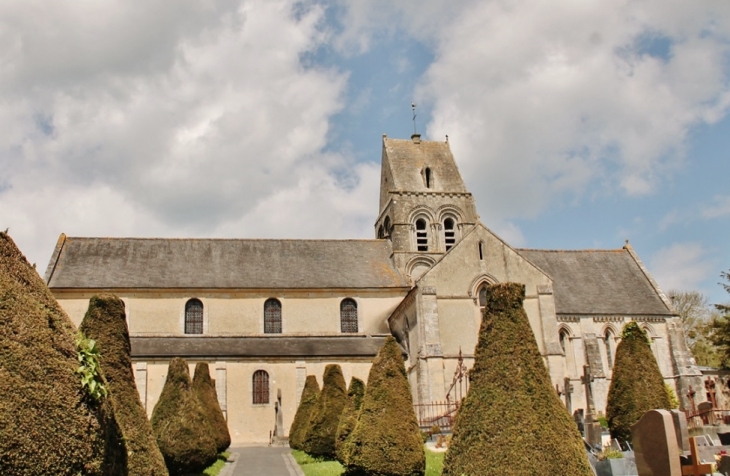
pixel 407 159
pixel 114 263
pixel 602 282
pixel 165 347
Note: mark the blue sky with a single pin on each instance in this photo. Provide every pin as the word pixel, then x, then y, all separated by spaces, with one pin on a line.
pixel 575 125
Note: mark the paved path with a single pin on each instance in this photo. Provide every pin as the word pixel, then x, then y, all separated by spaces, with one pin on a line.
pixel 264 461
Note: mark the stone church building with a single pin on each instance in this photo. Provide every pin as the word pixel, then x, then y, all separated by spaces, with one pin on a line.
pixel 266 313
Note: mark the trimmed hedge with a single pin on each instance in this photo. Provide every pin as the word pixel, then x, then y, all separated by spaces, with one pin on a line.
pixel 300 425
pixel 48 425
pixel 348 419
pixel 386 440
pixel 180 425
pixel 512 421
pixel 320 440
pixel 637 385
pixel 105 322
pixel 204 388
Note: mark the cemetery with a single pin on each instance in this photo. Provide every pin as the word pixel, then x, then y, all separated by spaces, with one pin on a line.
pixel 509 419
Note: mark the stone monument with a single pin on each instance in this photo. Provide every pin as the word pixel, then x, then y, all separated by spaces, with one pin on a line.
pixel 592 426
pixel 655 445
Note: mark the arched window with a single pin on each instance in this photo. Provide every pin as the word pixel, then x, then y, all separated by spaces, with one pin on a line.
pixel 381 233
pixel 421 235
pixel 563 339
pixel 260 388
pixel 428 177
pixel 194 317
pixel 482 295
pixel 272 316
pixel 567 345
pixel 348 315
pixel 609 342
pixel 386 225
pixel 450 233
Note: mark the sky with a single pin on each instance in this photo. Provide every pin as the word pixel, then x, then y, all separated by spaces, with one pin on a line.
pixel 576 124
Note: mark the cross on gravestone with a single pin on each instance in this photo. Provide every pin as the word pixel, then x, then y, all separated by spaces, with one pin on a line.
pixel 568 391
pixel 696 468
pixel 592 427
pixel 691 395
pixel 710 389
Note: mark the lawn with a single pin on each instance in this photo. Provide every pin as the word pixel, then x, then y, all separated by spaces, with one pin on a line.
pixel 314 467
pixel 216 467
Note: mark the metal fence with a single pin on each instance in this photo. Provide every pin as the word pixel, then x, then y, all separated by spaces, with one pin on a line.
pixel 441 414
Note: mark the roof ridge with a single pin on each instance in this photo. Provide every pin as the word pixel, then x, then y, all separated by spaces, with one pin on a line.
pixel 586 250
pixel 151 238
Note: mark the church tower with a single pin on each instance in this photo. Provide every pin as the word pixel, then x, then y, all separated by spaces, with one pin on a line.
pixel 425 207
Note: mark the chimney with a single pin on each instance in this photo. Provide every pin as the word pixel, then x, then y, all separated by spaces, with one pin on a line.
pixel 416 138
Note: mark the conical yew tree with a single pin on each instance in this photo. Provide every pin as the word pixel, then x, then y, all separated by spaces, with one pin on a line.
pixel 48 424
pixel 300 425
pixel 180 425
pixel 637 385
pixel 511 421
pixel 105 322
pixel 320 439
pixel 386 440
pixel 348 419
pixel 204 388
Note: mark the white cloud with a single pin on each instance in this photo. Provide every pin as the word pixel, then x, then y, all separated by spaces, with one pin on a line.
pixel 721 207
pixel 171 120
pixel 682 266
pixel 547 98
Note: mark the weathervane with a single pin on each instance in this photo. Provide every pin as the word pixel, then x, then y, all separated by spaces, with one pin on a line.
pixel 413 107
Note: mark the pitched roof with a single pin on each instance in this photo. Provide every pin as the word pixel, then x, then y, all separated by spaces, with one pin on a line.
pixel 408 159
pixel 604 282
pixel 113 263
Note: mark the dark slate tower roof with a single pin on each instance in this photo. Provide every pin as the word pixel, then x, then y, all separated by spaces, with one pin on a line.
pixel 599 282
pixel 159 263
pixel 405 162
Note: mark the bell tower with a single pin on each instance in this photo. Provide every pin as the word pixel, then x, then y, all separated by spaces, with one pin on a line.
pixel 425 207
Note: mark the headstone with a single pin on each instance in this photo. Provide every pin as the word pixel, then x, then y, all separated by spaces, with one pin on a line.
pixel 680 428
pixel 593 428
pixel 655 445
pixel 579 421
pixel 568 391
pixel 697 467
pixel 705 411
pixel 704 440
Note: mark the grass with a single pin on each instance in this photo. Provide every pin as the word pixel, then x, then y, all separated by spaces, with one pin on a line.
pixel 215 468
pixel 316 467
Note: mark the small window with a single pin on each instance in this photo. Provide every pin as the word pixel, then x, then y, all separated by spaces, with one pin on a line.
pixel 381 233
pixel 260 387
pixel 421 235
pixel 386 225
pixel 563 339
pixel 272 317
pixel 481 251
pixel 194 317
pixel 483 295
pixel 449 233
pixel 348 316
pixel 608 341
pixel 428 177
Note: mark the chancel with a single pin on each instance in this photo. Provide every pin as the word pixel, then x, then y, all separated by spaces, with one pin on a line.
pixel 265 313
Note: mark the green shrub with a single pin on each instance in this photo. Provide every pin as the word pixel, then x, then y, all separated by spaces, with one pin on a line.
pixel 512 421
pixel 204 388
pixel 320 440
pixel 300 425
pixel 48 424
pixel 105 323
pixel 386 440
pixel 637 385
pixel 180 425
pixel 348 419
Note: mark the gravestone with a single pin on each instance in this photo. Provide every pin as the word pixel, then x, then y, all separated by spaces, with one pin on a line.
pixel 680 428
pixel 655 445
pixel 578 417
pixel 592 427
pixel 705 411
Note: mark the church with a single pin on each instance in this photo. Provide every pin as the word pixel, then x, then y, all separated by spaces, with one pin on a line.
pixel 265 313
